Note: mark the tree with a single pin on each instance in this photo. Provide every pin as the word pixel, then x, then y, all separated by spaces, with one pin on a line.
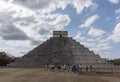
pixel 5 59
pixel 115 61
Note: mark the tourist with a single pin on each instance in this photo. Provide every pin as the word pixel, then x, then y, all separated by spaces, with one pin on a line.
pixel 75 68
pixel 52 67
pixel 68 68
pixel 87 68
pixel 64 67
pixel 91 68
pixel 59 68
pixel 46 67
pixel 80 67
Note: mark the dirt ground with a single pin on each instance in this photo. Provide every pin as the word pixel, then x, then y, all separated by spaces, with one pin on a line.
pixel 45 75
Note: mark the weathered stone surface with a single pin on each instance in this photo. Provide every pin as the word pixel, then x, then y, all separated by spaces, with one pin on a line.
pixel 60 34
pixel 60 50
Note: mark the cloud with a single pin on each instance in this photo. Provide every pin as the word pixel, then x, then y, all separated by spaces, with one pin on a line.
pixel 35 42
pixel 97 47
pixel 12 33
pixel 93 7
pixel 28 15
pixel 61 21
pixel 8 31
pixel 15 48
pixel 44 29
pixel 96 32
pixel 34 20
pixel 46 6
pixel 15 10
pixel 12 51
pixel 114 1
pixel 79 5
pixel 89 21
pixel 116 33
pixel 29 23
pixel 100 45
pixel 117 11
pixel 77 36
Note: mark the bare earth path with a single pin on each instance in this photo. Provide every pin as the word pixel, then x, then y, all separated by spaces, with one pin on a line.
pixel 42 75
pixel 110 79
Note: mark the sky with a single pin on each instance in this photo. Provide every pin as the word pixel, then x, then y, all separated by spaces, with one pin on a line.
pixel 24 24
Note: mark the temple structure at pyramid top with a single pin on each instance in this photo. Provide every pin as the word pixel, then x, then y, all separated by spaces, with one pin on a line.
pixel 60 33
pixel 59 50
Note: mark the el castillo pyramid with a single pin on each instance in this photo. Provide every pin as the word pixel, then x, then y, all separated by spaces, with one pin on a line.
pixel 58 50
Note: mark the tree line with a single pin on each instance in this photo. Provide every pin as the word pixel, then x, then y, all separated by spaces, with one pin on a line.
pixel 6 59
pixel 115 61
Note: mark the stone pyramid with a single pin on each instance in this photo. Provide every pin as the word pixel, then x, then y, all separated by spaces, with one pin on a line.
pixel 58 50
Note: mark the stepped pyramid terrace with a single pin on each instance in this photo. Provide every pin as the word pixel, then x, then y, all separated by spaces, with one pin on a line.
pixel 58 50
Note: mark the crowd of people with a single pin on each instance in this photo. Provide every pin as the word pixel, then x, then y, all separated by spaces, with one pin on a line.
pixel 74 68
